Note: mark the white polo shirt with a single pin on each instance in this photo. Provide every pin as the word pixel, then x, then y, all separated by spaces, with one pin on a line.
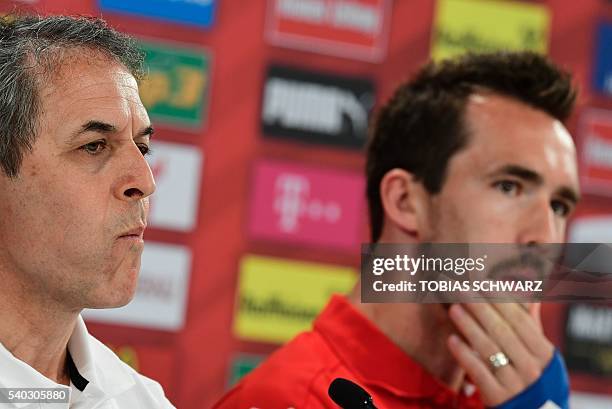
pixel 99 379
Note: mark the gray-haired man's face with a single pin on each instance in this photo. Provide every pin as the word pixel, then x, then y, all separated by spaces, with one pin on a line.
pixel 72 221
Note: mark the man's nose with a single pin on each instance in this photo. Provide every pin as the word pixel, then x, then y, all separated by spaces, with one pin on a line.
pixel 135 181
pixel 540 225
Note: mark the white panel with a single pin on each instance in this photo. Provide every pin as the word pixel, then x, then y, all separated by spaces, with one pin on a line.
pixel 177 169
pixel 161 296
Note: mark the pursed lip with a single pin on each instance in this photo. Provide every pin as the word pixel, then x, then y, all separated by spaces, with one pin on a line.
pixel 137 231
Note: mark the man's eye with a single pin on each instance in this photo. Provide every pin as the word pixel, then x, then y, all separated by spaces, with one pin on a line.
pixel 94 148
pixel 508 187
pixel 144 149
pixel 560 208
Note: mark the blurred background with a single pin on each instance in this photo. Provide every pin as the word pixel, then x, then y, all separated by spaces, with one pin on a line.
pixel 261 110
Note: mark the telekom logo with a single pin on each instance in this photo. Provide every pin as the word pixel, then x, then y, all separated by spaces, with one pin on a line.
pixel 292 202
pixel 305 204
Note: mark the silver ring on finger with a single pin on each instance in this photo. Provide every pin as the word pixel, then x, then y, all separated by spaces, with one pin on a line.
pixel 498 360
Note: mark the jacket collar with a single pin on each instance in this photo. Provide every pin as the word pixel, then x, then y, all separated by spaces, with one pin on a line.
pixel 364 349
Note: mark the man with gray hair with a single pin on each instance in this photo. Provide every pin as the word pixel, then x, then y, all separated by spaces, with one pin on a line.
pixel 74 187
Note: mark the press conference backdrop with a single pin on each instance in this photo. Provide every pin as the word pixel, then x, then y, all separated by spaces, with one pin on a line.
pixel 261 109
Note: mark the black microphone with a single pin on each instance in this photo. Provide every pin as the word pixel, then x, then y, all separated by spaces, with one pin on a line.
pixel 349 395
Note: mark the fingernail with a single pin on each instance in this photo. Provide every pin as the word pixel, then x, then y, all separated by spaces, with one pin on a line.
pixel 457 310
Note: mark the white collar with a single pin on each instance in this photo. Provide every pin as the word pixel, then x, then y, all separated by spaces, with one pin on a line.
pixel 107 376
pixel 17 374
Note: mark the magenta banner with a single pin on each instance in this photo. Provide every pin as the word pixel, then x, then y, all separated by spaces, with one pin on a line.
pixel 308 205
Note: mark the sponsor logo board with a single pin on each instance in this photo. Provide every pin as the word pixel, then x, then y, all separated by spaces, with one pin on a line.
pixel 306 205
pixel 602 76
pixel 346 28
pixel 176 88
pixel 591 229
pixel 176 169
pixel 316 107
pixel 278 298
pixel 588 339
pixel 242 364
pixel 483 25
pixel 595 133
pixel 161 295
pixel 198 13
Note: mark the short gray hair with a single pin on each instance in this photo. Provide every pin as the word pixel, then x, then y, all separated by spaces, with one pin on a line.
pixel 35 45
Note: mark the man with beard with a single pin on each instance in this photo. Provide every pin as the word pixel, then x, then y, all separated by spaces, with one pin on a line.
pixel 472 150
pixel 74 188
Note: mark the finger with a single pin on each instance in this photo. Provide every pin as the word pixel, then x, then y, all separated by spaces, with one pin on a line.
pixel 535 311
pixel 502 333
pixel 527 330
pixel 491 391
pixel 484 346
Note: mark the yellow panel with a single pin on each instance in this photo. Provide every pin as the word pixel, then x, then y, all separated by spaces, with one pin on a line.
pixel 484 25
pixel 278 298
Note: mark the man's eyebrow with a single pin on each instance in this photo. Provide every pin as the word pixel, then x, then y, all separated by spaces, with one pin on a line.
pixel 569 194
pixel 520 172
pixel 91 126
pixel 106 128
pixel 97 126
pixel 148 131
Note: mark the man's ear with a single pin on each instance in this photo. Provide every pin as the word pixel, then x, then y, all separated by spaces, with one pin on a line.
pixel 404 202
